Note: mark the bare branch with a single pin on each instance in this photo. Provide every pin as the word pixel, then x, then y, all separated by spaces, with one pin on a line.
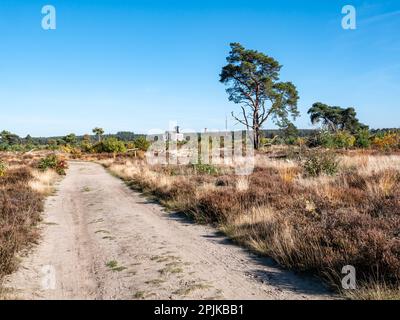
pixel 245 121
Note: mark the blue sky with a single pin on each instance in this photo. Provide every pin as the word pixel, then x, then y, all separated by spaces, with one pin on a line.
pixel 136 65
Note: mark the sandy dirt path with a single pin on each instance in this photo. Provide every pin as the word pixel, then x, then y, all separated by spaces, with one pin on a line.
pixel 102 240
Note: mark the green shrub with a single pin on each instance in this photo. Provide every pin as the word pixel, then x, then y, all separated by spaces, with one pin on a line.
pixel 343 140
pixel 264 141
pixel 141 143
pixel 321 139
pixel 363 139
pixel 86 146
pixel 49 162
pixel 3 168
pixel 322 162
pixel 53 162
pixel 201 168
pixel 110 145
pixel 340 139
pixel 13 148
pixel 291 141
pixel 326 140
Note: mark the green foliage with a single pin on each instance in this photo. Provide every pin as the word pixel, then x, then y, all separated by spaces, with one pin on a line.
pixel 264 141
pixel 49 162
pixel 28 140
pixel 335 118
pixel 16 147
pixel 3 168
pixel 290 134
pixel 98 132
pixel 336 140
pixel 53 162
pixel 142 144
pixel 125 136
pixel 86 146
pixel 320 162
pixel 10 142
pixel 110 145
pixel 290 141
pixel 52 146
pixel 363 138
pixel 9 138
pixel 61 142
pixel 321 139
pixel 202 168
pixel 343 140
pixel 71 139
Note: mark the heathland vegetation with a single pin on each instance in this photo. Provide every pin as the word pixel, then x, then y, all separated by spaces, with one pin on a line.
pixel 317 200
pixel 315 213
pixel 25 179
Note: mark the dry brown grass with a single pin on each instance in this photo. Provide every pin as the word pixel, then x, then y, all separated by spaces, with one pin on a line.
pixel 43 182
pixel 22 190
pixel 368 164
pixel 315 225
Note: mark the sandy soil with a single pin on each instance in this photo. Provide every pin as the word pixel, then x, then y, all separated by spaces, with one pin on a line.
pixel 102 240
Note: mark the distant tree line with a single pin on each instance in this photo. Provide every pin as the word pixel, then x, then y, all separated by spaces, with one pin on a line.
pixel 63 140
pixel 96 142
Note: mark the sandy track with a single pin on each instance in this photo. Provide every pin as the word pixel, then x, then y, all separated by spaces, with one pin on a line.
pixel 102 240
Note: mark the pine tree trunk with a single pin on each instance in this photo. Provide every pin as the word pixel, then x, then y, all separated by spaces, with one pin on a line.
pixel 256 128
pixel 256 138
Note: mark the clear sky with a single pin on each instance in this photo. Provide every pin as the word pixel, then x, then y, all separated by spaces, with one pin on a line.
pixel 136 65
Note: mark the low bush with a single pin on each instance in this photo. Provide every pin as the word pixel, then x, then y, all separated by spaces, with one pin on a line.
pixel 86 146
pixel 142 144
pixel 343 140
pixel 110 145
pixel 201 168
pixel 74 151
pixel 363 139
pixel 337 140
pixel 325 139
pixel 388 141
pixel 53 162
pixel 49 162
pixel 320 162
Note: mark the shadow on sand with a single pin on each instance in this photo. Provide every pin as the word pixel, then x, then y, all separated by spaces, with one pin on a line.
pixel 263 269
